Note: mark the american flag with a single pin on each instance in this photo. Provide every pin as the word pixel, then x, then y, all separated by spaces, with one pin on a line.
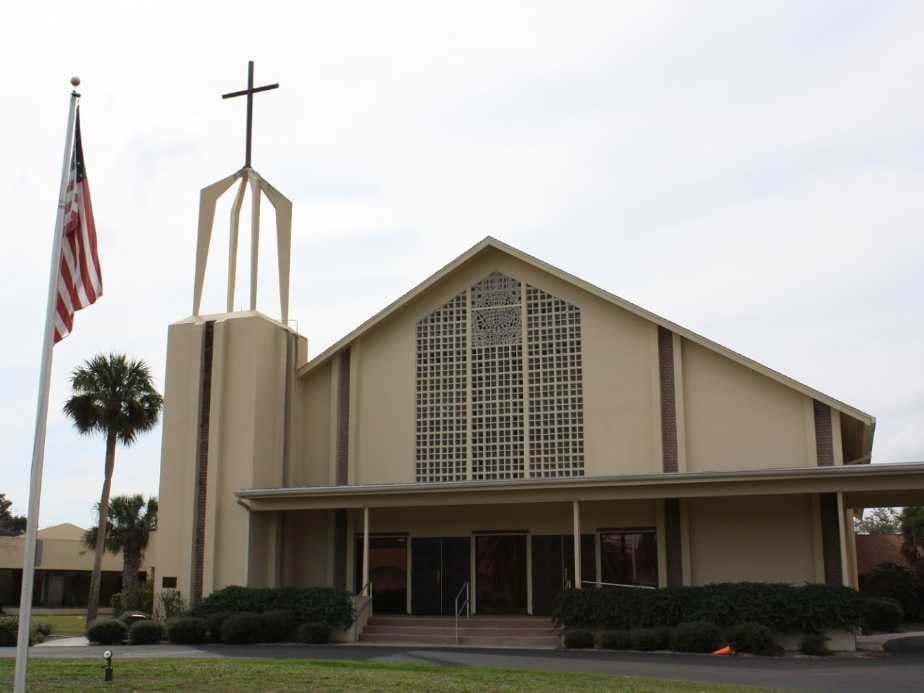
pixel 80 281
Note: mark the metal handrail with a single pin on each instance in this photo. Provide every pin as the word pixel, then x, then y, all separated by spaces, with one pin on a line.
pixel 466 605
pixel 617 584
pixel 368 605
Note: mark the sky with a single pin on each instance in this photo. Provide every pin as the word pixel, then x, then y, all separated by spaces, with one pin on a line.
pixel 752 171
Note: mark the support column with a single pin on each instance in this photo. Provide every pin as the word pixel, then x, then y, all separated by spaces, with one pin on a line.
pixel 578 579
pixel 365 547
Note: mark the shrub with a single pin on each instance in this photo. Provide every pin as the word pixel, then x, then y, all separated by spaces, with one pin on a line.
pixel 9 630
pixel 107 631
pixel 753 638
pixel 898 583
pixel 278 625
pixel 116 603
pixel 314 633
pixel 307 604
pixel 696 636
pixel 578 638
pixel 187 630
pixel 649 639
pixel 780 607
pixel 883 614
pixel 214 622
pixel 43 628
pixel 814 644
pixel 614 640
pixel 242 629
pixel 145 633
pixel 171 604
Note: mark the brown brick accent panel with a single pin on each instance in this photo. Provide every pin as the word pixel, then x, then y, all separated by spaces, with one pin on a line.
pixel 668 399
pixel 831 539
pixel 340 548
pixel 202 464
pixel 343 419
pixel 673 539
pixel 824 440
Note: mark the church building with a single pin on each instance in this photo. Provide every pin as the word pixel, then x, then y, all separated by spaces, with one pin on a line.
pixel 506 425
pixel 500 433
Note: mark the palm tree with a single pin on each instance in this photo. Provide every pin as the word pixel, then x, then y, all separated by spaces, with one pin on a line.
pixel 128 529
pixel 115 397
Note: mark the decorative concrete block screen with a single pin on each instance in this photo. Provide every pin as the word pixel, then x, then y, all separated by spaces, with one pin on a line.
pixel 499 385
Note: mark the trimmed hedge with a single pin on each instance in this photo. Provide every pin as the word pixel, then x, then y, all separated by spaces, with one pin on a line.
pixel 578 639
pixel 882 614
pixel 614 640
pixel 107 631
pixel 214 623
pixel 898 583
pixel 187 630
pixel 243 629
pixel 145 633
pixel 314 633
pixel 696 636
pixel 279 625
pixel 814 644
pixel 753 638
pixel 650 639
pixel 780 607
pixel 307 604
pixel 9 630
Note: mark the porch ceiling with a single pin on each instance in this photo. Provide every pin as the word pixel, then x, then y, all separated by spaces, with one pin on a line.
pixel 866 484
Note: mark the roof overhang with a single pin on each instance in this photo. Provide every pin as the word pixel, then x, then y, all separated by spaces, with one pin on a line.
pixel 867 485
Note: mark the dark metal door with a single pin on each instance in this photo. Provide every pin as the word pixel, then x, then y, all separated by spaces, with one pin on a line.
pixel 500 564
pixel 548 572
pixel 456 571
pixel 426 576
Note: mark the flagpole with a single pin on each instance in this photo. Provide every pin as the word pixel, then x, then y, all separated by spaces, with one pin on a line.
pixel 41 414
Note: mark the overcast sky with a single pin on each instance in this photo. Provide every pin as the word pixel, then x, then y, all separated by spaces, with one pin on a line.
pixel 752 171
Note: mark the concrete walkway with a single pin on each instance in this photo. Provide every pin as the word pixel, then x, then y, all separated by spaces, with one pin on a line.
pixel 899 673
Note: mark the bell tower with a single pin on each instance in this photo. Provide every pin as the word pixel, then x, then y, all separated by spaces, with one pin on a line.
pixel 230 407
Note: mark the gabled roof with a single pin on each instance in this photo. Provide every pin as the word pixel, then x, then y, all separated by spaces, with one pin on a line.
pixel 867 420
pixel 65 530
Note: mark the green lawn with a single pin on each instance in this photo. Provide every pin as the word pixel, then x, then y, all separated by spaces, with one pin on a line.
pixel 63 624
pixel 298 675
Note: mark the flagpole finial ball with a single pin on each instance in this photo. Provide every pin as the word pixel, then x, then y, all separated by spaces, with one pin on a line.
pixel 75 81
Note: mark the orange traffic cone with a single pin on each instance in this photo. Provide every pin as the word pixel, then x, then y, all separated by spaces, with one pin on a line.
pixel 724 652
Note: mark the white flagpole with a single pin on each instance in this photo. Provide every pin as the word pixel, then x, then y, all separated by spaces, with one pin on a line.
pixel 41 414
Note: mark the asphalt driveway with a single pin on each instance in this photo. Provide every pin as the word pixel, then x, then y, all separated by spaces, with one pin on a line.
pixel 887 673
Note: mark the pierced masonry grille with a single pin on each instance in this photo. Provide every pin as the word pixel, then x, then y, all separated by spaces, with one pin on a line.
pixel 442 418
pixel 472 350
pixel 497 379
pixel 556 396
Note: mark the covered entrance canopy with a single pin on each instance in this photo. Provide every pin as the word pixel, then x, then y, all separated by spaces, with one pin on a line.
pixel 515 544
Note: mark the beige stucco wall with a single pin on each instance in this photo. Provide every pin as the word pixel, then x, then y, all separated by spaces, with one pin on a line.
pixel 246 440
pixel 753 538
pixel 312 464
pixel 56 554
pixel 737 419
pixel 621 405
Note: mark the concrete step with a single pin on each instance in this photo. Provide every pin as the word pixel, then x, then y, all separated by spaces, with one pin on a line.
pixel 473 622
pixel 422 630
pixel 539 642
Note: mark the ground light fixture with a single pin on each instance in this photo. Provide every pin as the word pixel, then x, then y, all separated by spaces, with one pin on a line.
pixel 107 675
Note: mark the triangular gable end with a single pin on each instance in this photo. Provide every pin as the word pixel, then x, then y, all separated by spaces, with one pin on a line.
pixel 867 420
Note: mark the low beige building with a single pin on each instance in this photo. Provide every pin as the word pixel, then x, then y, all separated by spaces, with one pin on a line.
pixel 62 569
pixel 509 427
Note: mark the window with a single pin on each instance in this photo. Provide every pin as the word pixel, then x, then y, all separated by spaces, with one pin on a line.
pixel 630 557
pixel 500 385
pixel 168 583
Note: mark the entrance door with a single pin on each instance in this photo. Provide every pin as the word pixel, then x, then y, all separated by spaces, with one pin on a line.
pixel 439 568
pixel 500 565
pixel 553 568
pixel 387 571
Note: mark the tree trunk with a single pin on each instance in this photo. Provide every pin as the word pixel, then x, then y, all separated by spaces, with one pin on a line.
pixel 131 564
pixel 96 576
